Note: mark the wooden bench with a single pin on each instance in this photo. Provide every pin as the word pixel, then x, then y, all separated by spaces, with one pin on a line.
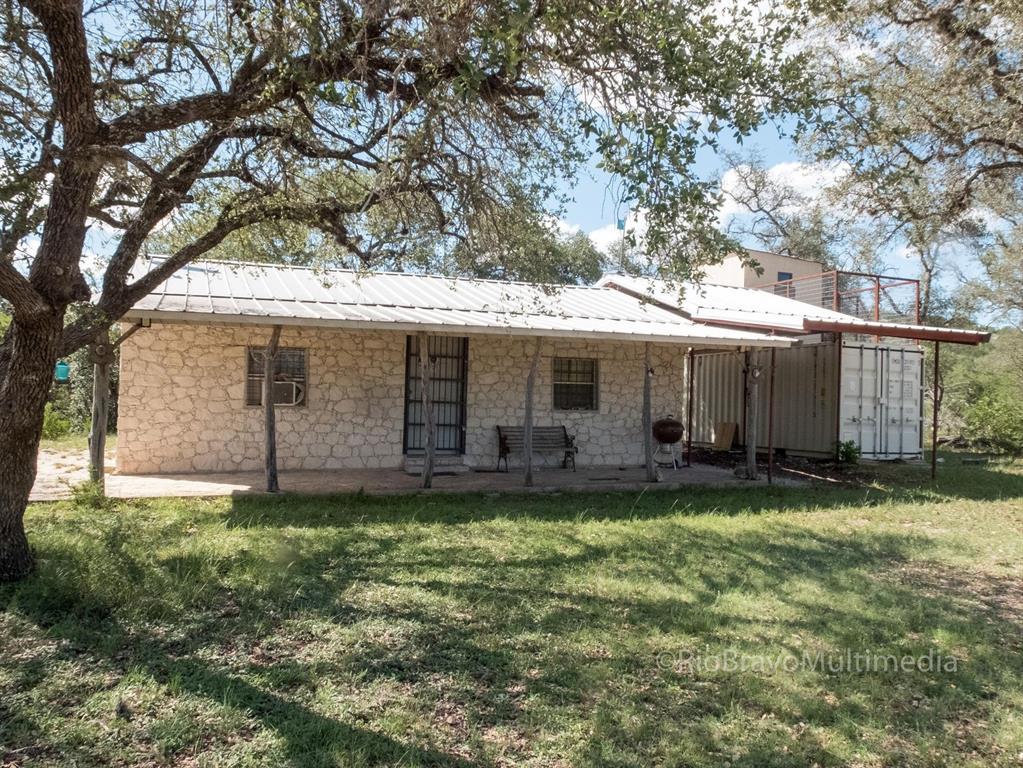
pixel 545 440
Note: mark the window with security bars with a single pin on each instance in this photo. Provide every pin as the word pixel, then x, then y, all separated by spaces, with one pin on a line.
pixel 289 376
pixel 575 384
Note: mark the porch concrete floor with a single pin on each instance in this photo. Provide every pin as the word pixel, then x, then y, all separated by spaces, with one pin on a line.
pixel 55 479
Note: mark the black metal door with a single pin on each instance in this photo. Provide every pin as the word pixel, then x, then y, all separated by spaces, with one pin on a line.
pixel 447 393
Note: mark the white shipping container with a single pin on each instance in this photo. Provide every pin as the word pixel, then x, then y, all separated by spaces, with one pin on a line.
pixel 882 397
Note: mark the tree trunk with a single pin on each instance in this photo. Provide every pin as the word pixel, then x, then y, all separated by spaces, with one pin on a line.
pixel 55 276
pixel 23 395
pixel 527 431
pixel 648 419
pixel 425 371
pixel 269 415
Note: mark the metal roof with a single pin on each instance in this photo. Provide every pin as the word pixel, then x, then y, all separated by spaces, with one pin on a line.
pixel 754 308
pixel 233 292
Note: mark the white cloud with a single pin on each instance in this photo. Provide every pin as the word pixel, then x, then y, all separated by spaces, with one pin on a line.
pixel 808 180
pixel 605 237
pixel 563 228
pixel 608 239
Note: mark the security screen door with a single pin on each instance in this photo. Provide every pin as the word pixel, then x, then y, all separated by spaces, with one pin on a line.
pixel 447 393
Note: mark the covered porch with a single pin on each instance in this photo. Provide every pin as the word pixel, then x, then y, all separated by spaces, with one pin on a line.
pixel 594 362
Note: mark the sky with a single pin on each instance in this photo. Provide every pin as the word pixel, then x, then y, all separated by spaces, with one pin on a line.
pixel 593 208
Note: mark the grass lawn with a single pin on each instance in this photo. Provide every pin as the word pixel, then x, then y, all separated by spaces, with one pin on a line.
pixel 562 630
pixel 76 441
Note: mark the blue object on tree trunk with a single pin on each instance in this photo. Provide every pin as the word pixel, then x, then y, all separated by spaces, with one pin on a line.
pixel 62 372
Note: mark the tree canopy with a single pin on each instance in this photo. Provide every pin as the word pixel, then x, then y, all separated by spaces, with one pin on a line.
pixel 922 99
pixel 392 128
pixel 383 125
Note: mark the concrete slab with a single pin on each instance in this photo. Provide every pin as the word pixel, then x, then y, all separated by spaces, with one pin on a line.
pixel 57 474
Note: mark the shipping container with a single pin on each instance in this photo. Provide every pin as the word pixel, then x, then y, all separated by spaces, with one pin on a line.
pixel 876 401
pixel 881 400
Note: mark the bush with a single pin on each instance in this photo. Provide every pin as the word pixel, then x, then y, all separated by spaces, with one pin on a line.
pixel 995 421
pixel 848 452
pixel 55 425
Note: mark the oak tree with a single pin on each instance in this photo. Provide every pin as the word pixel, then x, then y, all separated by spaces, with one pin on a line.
pixel 383 124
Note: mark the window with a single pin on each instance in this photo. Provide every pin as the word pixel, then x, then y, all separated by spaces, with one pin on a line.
pixel 575 384
pixel 289 376
pixel 785 288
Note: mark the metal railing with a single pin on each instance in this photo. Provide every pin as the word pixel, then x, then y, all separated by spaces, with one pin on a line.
pixel 860 294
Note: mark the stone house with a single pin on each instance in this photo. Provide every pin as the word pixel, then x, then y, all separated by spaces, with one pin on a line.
pixel 346 386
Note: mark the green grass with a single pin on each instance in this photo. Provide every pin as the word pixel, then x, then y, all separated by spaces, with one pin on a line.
pixel 75 441
pixel 522 630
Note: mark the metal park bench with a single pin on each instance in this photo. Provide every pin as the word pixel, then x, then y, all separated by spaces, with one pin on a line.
pixel 554 440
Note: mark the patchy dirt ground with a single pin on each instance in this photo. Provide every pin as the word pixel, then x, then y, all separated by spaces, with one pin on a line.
pixel 60 469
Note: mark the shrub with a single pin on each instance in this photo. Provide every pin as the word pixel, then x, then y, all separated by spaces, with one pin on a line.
pixel 995 421
pixel 55 425
pixel 848 452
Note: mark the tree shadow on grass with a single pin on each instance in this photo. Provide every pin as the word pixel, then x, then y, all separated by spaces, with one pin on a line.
pixel 955 483
pixel 564 631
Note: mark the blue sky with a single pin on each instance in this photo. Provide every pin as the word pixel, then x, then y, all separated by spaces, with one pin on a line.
pixel 593 205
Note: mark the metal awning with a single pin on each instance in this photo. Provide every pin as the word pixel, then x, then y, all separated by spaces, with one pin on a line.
pixel 755 309
pixel 877 328
pixel 231 292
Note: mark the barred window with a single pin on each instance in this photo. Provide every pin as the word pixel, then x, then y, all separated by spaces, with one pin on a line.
pixel 289 376
pixel 575 384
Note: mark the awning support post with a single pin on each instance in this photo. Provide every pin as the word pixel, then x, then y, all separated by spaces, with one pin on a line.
pixel 527 432
pixel 648 422
pixel 752 401
pixel 101 354
pixel 935 403
pixel 770 422
pixel 689 411
pixel 425 376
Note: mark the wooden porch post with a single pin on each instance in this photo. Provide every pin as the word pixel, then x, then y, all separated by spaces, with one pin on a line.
pixel 770 422
pixel 269 415
pixel 527 432
pixel 752 403
pixel 935 402
pixel 648 435
pixel 425 376
pixel 689 411
pixel 101 353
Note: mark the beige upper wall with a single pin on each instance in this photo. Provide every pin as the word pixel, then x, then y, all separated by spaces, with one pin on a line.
pixel 732 271
pixel 181 400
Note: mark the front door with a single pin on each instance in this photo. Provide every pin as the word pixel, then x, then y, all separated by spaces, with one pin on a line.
pixel 447 393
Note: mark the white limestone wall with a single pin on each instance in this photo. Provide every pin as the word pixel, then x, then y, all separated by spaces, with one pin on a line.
pixel 181 404
pixel 611 435
pixel 182 399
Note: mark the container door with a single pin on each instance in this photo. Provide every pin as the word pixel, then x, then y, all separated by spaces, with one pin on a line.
pixel 860 411
pixel 902 415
